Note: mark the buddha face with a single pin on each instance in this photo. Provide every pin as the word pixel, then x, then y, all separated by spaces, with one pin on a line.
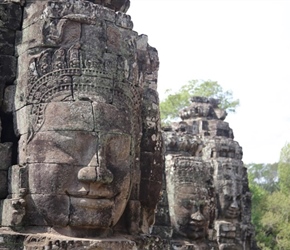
pixel 190 214
pixel 188 184
pixel 80 164
pixel 230 200
pixel 229 190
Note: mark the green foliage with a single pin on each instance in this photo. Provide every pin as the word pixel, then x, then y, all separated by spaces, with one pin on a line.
pixel 170 107
pixel 259 196
pixel 271 202
pixel 264 176
pixel 260 187
pixel 284 169
pixel 276 220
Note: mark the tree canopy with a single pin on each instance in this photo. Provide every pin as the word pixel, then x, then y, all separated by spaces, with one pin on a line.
pixel 270 187
pixel 170 107
pixel 284 169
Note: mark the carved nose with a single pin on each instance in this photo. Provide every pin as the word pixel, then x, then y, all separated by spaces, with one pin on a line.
pixel 197 216
pixel 234 204
pixel 95 172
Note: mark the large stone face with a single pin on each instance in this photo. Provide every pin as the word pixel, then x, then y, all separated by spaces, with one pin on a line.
pixel 86 113
pixel 205 194
pixel 86 158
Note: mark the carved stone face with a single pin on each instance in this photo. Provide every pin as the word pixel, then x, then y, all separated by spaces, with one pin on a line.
pixel 188 183
pixel 80 164
pixel 191 211
pixel 230 199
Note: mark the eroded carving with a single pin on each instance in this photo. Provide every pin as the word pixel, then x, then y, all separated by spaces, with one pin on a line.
pixel 206 183
pixel 89 162
pixel 189 188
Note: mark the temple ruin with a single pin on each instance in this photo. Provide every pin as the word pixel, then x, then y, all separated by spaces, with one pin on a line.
pixel 84 163
pixel 206 201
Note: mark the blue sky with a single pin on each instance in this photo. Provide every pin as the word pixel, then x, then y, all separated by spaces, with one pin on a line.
pixel 242 44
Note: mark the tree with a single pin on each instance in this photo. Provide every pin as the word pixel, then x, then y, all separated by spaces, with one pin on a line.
pixel 170 107
pixel 264 175
pixel 271 202
pixel 284 169
pixel 262 182
pixel 276 221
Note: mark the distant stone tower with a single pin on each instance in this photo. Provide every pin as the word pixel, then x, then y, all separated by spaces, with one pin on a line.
pixel 206 203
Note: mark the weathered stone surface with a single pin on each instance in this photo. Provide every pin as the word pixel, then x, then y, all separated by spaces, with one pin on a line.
pixel 206 185
pixel 18 184
pixel 12 211
pixel 87 118
pixel 8 103
pixel 70 116
pixel 190 197
pixel 12 240
pixel 67 180
pixel 7 41
pixel 10 16
pixel 221 147
pixel 117 5
pixel 8 68
pixel 21 122
pixel 3 184
pixel 5 155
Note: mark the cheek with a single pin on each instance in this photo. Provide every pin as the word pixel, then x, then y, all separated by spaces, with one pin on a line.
pixel 53 178
pixel 117 148
pixel 225 203
pixel 122 177
pixel 182 215
pixel 62 147
pixel 118 160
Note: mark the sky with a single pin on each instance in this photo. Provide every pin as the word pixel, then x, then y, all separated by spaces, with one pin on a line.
pixel 244 45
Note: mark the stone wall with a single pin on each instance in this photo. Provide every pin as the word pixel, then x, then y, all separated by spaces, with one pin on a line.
pixel 80 119
pixel 81 148
pixel 10 22
pixel 206 202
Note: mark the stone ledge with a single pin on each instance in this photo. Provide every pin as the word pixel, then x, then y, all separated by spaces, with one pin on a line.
pixel 17 241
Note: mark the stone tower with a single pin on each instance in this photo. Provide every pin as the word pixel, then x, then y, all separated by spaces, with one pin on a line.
pixel 84 160
pixel 206 202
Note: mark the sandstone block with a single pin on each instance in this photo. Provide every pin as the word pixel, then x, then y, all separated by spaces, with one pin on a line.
pixel 3 184
pixel 5 155
pixel 10 16
pixel 8 67
pixel 18 179
pixel 8 101
pixel 7 41
pixel 66 181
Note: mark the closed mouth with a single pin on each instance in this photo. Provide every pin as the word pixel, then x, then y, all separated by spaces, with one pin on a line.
pixel 87 195
pixel 196 224
pixel 91 203
pixel 233 212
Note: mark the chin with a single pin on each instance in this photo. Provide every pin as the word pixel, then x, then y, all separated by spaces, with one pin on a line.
pixel 193 233
pixel 91 213
pixel 196 234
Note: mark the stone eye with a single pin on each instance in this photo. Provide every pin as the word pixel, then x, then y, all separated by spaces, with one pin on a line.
pixel 186 204
pixel 228 198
